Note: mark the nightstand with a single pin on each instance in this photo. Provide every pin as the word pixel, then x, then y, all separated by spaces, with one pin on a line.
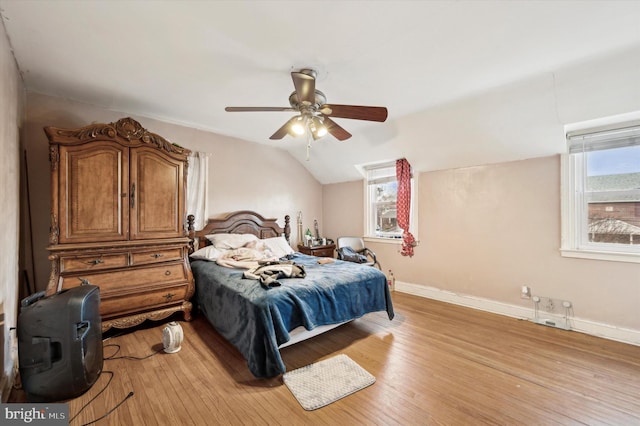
pixel 318 251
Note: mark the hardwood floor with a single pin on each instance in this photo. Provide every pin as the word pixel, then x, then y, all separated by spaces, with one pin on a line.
pixel 435 364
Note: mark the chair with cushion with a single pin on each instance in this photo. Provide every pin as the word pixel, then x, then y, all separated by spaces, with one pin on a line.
pixel 352 249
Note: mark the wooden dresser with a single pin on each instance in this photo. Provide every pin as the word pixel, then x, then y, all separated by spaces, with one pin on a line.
pixel 118 220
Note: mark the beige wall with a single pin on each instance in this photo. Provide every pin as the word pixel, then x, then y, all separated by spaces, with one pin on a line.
pixel 343 205
pixel 242 175
pixel 12 98
pixel 486 231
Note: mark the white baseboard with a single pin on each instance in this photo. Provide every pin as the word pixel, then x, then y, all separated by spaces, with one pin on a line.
pixel 593 328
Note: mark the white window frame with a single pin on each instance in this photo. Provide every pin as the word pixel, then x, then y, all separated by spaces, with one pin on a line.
pixel 575 242
pixel 369 235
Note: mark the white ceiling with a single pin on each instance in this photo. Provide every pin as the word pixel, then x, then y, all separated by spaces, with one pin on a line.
pixel 184 61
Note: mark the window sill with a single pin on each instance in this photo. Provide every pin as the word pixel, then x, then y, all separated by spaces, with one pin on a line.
pixel 397 241
pixel 601 255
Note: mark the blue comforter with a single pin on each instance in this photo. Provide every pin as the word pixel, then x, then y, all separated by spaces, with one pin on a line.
pixel 257 320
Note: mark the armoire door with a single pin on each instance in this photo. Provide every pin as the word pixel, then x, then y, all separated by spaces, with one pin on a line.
pixel 92 190
pixel 157 194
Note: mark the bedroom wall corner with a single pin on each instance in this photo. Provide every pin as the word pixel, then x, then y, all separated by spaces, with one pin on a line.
pixel 12 94
pixel 250 176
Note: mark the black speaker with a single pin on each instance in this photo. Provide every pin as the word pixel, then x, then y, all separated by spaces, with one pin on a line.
pixel 60 343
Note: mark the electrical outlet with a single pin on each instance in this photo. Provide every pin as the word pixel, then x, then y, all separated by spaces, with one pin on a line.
pixel 525 292
pixel 391 281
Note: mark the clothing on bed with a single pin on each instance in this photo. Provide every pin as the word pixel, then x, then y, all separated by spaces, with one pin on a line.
pixel 268 273
pixel 257 321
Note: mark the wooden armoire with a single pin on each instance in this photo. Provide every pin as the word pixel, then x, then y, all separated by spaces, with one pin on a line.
pixel 118 197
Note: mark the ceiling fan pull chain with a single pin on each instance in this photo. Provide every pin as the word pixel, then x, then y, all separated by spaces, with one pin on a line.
pixel 309 139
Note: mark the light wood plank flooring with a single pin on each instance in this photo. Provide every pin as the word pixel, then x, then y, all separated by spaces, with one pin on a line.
pixel 435 364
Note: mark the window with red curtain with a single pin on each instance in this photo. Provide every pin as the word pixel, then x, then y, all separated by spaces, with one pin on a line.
pixel 381 193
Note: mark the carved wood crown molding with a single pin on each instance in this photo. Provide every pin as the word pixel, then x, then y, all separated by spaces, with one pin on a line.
pixel 125 128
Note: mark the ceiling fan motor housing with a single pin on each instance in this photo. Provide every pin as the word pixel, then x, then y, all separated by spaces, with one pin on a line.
pixel 320 99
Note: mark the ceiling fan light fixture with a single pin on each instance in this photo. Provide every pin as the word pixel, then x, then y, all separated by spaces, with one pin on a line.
pixel 315 116
pixel 298 126
pixel 317 128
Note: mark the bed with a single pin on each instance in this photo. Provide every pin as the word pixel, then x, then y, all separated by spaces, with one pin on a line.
pixel 259 320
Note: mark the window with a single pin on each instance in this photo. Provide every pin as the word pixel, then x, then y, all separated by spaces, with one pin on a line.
pixel 601 193
pixel 381 190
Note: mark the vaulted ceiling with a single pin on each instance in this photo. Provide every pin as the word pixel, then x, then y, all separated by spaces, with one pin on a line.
pixel 184 61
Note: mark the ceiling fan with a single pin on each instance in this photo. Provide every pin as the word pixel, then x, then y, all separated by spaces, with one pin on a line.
pixel 315 115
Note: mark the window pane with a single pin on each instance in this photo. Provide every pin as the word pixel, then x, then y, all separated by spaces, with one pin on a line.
pixel 613 195
pixel 381 200
pixel 384 205
pixel 614 162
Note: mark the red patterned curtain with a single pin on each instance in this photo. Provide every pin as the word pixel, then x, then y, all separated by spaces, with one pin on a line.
pixel 403 174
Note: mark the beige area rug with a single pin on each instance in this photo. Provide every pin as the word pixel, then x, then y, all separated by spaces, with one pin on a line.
pixel 327 381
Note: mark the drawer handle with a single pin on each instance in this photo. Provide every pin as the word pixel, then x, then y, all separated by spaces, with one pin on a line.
pixel 157 255
pixel 95 262
pixel 169 296
pixel 167 273
pixel 84 281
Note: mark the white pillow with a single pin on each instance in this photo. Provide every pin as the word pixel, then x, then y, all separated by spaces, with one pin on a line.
pixel 278 246
pixel 207 253
pixel 230 241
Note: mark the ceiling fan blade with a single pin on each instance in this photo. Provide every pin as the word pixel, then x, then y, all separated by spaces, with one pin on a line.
pixel 335 129
pixel 355 112
pixel 284 130
pixel 305 85
pixel 253 109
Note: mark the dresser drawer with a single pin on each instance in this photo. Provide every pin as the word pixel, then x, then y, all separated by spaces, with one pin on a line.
pixel 128 280
pixel 319 251
pixel 94 262
pixel 324 252
pixel 155 256
pixel 141 301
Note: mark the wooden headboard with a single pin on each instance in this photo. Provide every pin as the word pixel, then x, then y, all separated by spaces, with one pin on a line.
pixel 239 222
